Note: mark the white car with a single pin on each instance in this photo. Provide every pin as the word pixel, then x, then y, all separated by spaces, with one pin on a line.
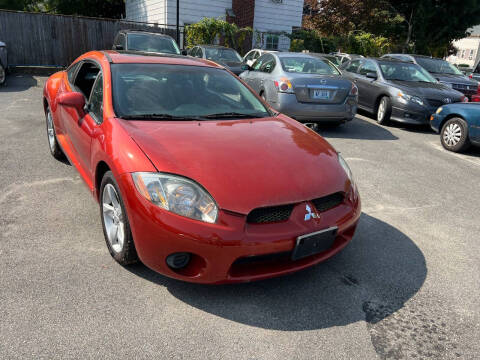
pixel 253 55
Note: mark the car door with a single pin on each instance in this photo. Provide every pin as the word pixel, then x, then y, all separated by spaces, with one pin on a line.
pixel 254 76
pixel 80 127
pixel 265 78
pixel 368 88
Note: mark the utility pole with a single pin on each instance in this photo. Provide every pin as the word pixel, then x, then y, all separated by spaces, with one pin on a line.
pixel 178 23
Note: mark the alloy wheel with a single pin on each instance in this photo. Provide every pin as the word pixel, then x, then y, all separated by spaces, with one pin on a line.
pixel 50 131
pixel 113 218
pixel 381 110
pixel 452 134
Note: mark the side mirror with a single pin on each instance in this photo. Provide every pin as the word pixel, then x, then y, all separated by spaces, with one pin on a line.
pixel 73 99
pixel 184 52
pixel 117 47
pixel 372 75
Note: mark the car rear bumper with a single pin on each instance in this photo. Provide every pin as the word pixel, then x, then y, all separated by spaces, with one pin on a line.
pixel 230 250
pixel 288 105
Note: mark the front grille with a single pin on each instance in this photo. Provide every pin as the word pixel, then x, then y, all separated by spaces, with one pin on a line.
pixel 270 214
pixel 328 202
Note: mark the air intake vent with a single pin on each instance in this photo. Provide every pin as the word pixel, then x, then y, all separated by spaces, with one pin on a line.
pixel 328 202
pixel 270 214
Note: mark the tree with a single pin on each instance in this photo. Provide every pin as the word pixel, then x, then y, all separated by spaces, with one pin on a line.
pixel 95 8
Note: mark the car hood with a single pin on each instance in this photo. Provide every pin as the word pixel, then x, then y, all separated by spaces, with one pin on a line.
pixel 244 164
pixel 454 79
pixel 427 90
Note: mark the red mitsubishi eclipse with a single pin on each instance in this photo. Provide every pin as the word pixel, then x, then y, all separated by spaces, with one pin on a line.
pixel 195 175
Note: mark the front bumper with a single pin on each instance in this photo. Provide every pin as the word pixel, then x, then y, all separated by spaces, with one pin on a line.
pixel 219 249
pixel 287 104
pixel 411 113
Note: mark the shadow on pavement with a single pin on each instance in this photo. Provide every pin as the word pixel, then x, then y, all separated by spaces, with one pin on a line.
pixel 357 129
pixel 370 280
pixel 425 129
pixel 18 82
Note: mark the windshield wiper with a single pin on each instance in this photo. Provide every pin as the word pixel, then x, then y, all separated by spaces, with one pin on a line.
pixel 154 117
pixel 236 115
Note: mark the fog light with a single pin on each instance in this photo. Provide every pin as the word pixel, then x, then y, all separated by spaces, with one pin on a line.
pixel 178 260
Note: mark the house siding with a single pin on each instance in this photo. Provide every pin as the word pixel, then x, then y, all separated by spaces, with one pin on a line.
pixel 276 17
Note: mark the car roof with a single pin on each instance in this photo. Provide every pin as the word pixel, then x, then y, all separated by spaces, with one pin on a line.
pixel 293 54
pixel 131 57
pixel 128 31
pixel 389 59
pixel 214 46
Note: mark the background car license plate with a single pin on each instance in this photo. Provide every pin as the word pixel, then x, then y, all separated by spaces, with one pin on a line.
pixel 321 94
pixel 314 243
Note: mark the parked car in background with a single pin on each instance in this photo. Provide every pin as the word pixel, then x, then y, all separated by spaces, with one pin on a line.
pixel 195 175
pixel 458 125
pixel 142 41
pixel 333 59
pixel 222 55
pixel 304 87
pixel 343 57
pixel 443 71
pixel 398 90
pixel 3 63
pixel 253 55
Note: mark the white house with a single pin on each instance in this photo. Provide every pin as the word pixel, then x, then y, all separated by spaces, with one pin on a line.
pixel 270 19
pixel 468 49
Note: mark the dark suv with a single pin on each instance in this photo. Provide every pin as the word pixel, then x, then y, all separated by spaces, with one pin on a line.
pixel 443 71
pixel 146 42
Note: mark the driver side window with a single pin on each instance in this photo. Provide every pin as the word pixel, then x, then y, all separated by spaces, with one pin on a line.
pixel 268 65
pixel 353 66
pixel 86 78
pixel 368 67
pixel 258 64
pixel 95 104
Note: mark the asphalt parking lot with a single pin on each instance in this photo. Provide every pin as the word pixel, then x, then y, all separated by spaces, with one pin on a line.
pixel 407 287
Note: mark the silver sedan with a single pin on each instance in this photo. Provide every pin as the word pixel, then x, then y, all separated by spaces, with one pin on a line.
pixel 304 87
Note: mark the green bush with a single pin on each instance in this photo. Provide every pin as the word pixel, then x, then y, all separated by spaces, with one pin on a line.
pixel 209 30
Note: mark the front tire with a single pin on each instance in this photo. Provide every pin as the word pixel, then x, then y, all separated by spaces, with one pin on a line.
pixel 116 227
pixel 454 135
pixel 55 148
pixel 384 110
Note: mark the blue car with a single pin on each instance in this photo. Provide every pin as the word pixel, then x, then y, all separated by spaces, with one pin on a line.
pixel 458 125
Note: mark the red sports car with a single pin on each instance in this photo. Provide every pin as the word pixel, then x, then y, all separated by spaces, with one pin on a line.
pixel 195 175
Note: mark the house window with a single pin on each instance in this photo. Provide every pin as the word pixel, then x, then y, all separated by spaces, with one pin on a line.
pixel 463 54
pixel 271 42
pixel 470 57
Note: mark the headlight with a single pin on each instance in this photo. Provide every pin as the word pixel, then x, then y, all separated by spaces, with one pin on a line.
pixel 177 194
pixel 439 110
pixel 345 167
pixel 404 98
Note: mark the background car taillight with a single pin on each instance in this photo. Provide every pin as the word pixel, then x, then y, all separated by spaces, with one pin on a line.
pixel 475 98
pixel 478 89
pixel 354 90
pixel 283 85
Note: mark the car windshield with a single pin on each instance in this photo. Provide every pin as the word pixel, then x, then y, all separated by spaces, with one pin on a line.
pixel 405 72
pixel 174 91
pixel 308 65
pixel 438 66
pixel 220 54
pixel 152 43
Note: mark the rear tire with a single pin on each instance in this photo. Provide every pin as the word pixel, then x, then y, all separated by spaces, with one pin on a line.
pixel 3 75
pixel 454 135
pixel 116 227
pixel 384 110
pixel 53 145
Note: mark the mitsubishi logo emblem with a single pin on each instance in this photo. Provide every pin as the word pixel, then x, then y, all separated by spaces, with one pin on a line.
pixel 310 215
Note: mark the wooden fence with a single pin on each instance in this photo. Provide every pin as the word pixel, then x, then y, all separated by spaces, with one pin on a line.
pixel 37 39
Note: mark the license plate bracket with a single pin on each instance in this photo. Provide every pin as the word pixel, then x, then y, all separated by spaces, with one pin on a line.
pixel 314 243
pixel 321 94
